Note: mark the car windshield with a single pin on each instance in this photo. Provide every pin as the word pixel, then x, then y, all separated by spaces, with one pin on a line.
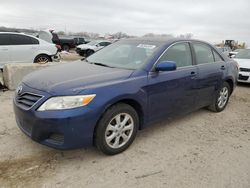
pixel 127 54
pixel 220 49
pixel 243 54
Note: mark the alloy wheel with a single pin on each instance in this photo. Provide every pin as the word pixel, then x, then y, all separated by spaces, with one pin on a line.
pixel 223 97
pixel 42 60
pixel 119 130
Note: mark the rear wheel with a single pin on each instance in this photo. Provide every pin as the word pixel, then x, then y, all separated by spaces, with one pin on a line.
pixel 65 47
pixel 42 59
pixel 221 99
pixel 117 129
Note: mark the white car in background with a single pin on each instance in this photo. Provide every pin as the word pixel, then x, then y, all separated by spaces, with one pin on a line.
pixel 91 47
pixel 225 50
pixel 243 59
pixel 233 53
pixel 22 48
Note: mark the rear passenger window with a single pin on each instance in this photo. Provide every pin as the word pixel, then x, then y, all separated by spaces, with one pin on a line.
pixel 179 53
pixel 4 39
pixel 23 40
pixel 217 57
pixel 203 53
pixel 34 41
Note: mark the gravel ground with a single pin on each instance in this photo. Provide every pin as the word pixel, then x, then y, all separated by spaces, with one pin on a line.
pixel 70 56
pixel 202 149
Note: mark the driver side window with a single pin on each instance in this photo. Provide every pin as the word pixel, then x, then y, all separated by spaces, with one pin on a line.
pixel 179 53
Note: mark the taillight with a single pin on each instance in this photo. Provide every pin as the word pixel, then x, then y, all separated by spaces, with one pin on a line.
pixel 58 47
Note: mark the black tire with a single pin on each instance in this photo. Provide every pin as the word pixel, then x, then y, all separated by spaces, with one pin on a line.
pixel 89 53
pixel 42 59
pixel 82 54
pixel 102 133
pixel 65 47
pixel 215 107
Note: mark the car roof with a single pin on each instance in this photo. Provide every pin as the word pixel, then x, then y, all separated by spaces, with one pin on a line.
pixel 17 33
pixel 5 32
pixel 41 40
pixel 163 40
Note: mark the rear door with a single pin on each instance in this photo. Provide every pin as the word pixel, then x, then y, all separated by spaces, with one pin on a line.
pixel 4 49
pixel 173 92
pixel 212 68
pixel 23 48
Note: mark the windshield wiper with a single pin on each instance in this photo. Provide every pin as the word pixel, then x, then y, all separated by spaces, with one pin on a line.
pixel 101 64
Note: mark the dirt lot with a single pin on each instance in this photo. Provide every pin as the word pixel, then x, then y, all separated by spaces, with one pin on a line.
pixel 203 149
pixel 70 56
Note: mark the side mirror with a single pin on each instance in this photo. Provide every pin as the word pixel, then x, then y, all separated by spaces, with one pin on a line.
pixel 165 66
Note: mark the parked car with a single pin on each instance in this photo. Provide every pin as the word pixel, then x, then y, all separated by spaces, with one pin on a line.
pixel 226 50
pixel 80 40
pixel 21 48
pixel 122 88
pixel 243 59
pixel 65 43
pixel 91 47
pixel 233 53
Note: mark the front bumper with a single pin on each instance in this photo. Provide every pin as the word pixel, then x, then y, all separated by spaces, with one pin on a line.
pixel 244 77
pixel 66 129
pixel 81 52
pixel 56 57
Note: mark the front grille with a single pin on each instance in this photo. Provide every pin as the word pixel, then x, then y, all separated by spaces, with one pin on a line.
pixel 244 70
pixel 241 77
pixel 27 100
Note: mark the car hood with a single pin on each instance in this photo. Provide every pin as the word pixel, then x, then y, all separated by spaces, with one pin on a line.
pixel 243 63
pixel 85 46
pixel 72 78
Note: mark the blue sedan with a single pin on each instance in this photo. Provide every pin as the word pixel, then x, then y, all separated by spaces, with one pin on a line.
pixel 122 88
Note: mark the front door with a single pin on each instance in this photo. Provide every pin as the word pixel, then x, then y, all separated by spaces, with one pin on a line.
pixel 173 92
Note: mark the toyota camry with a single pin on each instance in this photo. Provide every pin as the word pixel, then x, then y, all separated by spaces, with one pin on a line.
pixel 127 86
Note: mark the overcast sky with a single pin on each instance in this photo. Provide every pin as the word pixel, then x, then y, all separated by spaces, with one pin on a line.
pixel 210 20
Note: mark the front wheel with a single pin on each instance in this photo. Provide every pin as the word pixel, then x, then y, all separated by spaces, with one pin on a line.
pixel 221 99
pixel 117 129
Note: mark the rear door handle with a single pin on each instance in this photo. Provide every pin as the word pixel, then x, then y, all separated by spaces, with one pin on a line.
pixel 193 75
pixel 4 49
pixel 223 67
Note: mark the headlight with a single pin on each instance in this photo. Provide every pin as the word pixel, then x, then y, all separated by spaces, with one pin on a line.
pixel 66 102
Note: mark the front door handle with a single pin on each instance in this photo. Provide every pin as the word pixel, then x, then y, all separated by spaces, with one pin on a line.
pixel 223 67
